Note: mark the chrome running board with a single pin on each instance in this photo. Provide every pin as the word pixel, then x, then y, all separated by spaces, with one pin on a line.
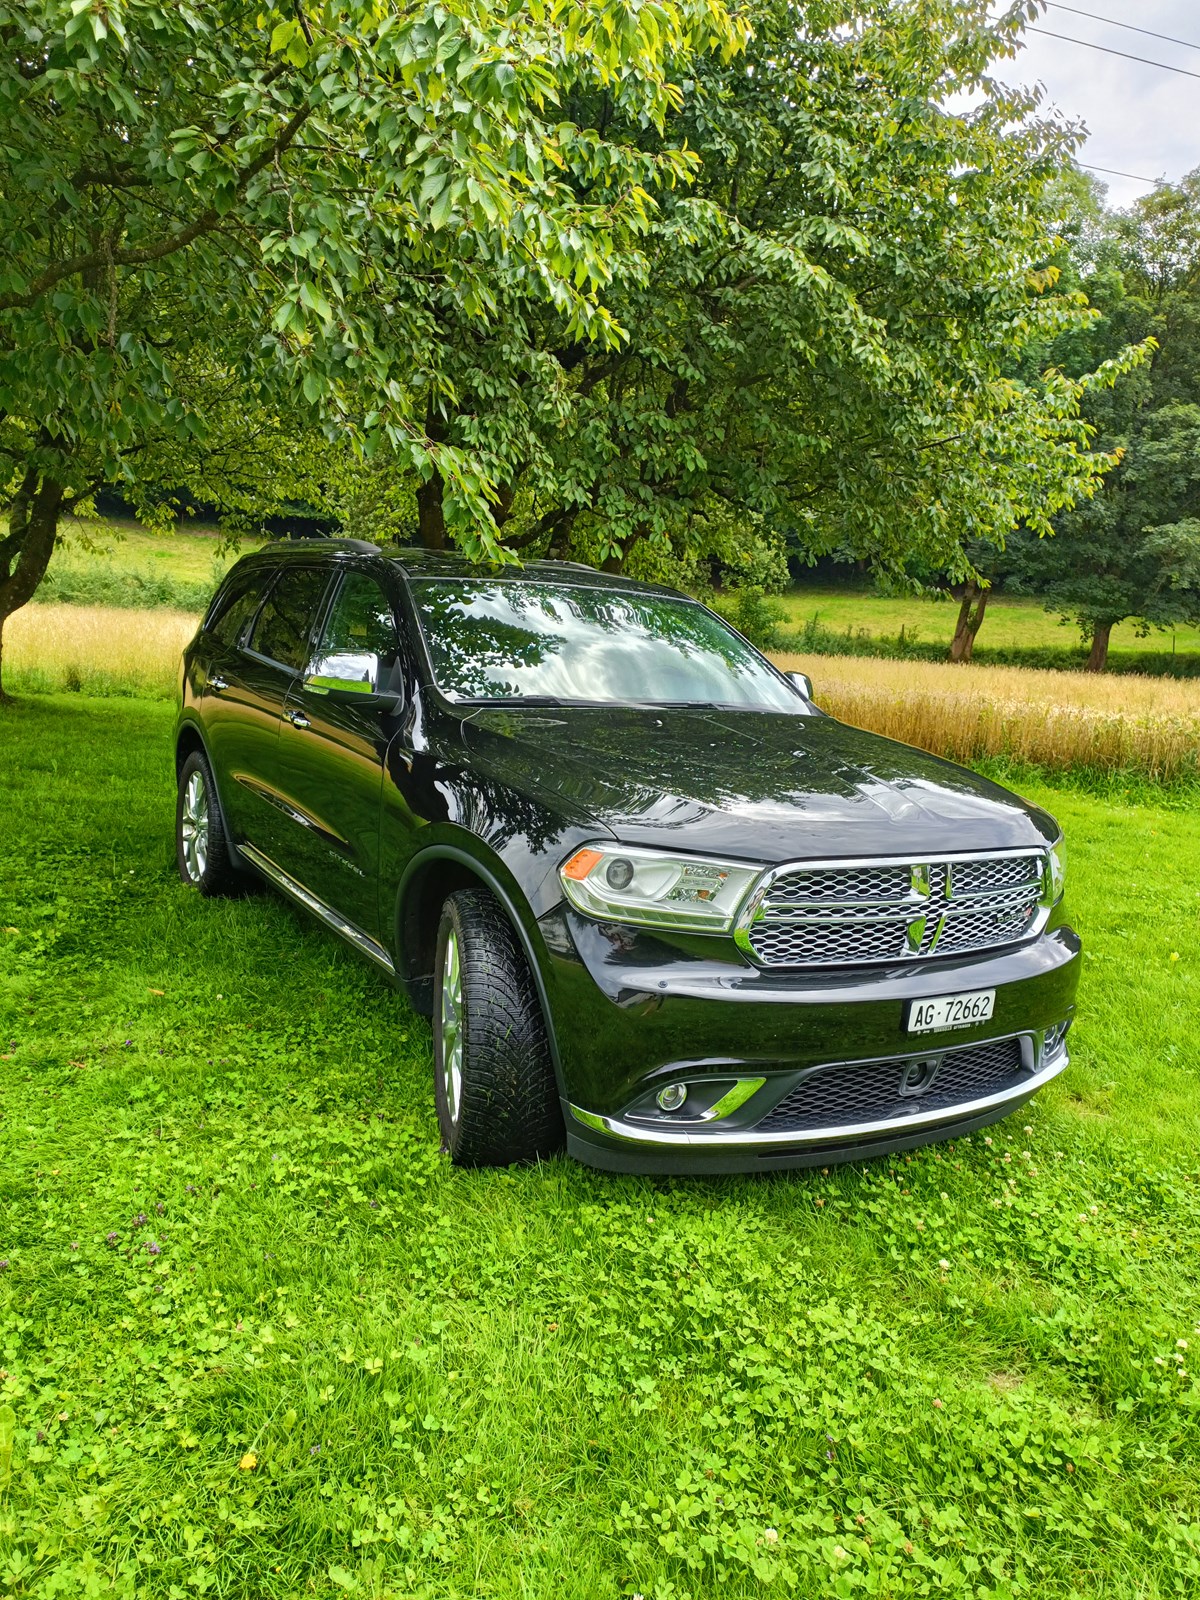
pixel 332 919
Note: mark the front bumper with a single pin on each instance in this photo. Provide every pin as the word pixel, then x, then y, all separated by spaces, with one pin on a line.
pixel 625 1145
pixel 633 1013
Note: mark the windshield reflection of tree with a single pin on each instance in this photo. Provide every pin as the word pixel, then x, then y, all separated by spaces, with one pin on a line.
pixel 495 640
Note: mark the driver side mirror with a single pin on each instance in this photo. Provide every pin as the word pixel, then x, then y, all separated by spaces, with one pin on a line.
pixel 348 674
pixel 803 682
pixel 344 672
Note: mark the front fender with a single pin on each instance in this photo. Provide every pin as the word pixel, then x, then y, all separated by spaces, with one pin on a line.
pixel 452 862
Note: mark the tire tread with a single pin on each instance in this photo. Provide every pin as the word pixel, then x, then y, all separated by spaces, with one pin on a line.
pixel 510 1110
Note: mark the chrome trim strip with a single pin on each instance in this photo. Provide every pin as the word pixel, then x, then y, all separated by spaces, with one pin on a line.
pixel 331 918
pixel 734 1097
pixel 844 1133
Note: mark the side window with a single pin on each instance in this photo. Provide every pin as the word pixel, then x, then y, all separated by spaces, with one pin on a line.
pixel 236 606
pixel 285 621
pixel 358 644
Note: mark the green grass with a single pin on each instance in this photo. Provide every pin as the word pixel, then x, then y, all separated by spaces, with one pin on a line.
pixel 117 563
pixel 346 1368
pixel 186 553
pixel 1010 624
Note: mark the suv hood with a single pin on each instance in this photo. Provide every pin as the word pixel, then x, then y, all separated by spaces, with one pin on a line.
pixel 762 786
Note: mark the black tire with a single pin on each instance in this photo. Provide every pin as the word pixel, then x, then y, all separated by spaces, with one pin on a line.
pixel 507 1099
pixel 210 869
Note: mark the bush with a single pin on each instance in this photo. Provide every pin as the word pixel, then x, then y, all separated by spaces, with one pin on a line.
pixel 754 615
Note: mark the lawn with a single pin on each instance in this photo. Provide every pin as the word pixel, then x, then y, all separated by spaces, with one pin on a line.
pixel 193 551
pixel 259 1340
pixel 1009 624
pixel 118 563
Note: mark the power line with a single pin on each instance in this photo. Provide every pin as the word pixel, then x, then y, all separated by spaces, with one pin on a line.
pixel 1124 54
pixel 1113 173
pixel 1112 22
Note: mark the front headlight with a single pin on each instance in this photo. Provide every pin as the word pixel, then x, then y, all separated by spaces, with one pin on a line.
pixel 656 889
pixel 1056 872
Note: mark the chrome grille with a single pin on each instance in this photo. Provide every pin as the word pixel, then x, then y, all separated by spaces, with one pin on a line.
pixel 851 913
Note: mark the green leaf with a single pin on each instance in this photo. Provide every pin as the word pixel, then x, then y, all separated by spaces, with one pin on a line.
pixel 439 211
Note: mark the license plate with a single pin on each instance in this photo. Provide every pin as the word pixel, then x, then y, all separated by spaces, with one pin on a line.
pixel 951 1011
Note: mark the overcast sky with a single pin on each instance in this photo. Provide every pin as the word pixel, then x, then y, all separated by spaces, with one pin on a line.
pixel 1140 120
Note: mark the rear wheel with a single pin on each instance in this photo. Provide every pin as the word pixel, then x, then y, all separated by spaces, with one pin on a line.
pixel 497 1101
pixel 201 846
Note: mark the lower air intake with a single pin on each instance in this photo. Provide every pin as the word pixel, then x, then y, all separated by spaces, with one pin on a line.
pixel 881 1091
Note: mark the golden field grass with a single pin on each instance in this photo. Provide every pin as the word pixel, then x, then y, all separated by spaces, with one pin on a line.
pixel 95 649
pixel 1056 720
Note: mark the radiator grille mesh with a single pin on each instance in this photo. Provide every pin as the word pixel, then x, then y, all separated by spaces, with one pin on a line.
pixel 838 1096
pixel 896 911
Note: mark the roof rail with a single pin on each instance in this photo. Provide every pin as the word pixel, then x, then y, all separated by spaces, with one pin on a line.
pixel 304 542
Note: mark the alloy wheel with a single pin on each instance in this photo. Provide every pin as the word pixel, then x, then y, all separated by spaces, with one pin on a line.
pixel 452 1027
pixel 194 826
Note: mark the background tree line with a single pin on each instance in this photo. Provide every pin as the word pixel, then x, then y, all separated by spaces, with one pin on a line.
pixel 1133 549
pixel 666 289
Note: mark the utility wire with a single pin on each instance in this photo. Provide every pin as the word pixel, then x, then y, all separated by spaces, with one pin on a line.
pixel 1124 54
pixel 1112 22
pixel 1113 173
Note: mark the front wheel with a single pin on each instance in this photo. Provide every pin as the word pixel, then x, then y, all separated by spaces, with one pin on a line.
pixel 497 1102
pixel 201 846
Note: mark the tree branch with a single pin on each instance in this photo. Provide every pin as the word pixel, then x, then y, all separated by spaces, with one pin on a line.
pixel 204 223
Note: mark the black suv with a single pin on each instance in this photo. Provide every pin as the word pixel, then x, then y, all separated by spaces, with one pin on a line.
pixel 653 898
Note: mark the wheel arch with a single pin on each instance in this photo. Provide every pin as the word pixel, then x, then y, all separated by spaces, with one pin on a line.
pixel 189 740
pixel 427 882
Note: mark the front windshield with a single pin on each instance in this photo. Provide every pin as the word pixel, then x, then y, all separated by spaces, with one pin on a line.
pixel 491 639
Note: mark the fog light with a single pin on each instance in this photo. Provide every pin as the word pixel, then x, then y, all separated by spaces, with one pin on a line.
pixel 672 1097
pixel 619 873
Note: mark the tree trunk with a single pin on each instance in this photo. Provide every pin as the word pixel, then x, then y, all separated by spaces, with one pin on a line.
pixel 431 518
pixel 26 549
pixel 1098 655
pixel 431 522
pixel 970 620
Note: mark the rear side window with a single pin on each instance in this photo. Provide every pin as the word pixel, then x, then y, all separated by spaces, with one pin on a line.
pixel 236 606
pixel 285 621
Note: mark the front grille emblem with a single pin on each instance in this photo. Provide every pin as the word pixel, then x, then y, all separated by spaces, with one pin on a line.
pixel 917 1076
pixel 922 893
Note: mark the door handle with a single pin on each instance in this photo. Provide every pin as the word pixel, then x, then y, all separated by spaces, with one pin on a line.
pixel 217 683
pixel 297 718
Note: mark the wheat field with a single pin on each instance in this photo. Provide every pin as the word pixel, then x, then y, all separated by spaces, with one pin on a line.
pixel 1054 719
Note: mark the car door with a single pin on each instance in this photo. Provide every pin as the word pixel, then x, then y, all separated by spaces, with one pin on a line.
pixel 243 724
pixel 338 721
pixel 224 690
